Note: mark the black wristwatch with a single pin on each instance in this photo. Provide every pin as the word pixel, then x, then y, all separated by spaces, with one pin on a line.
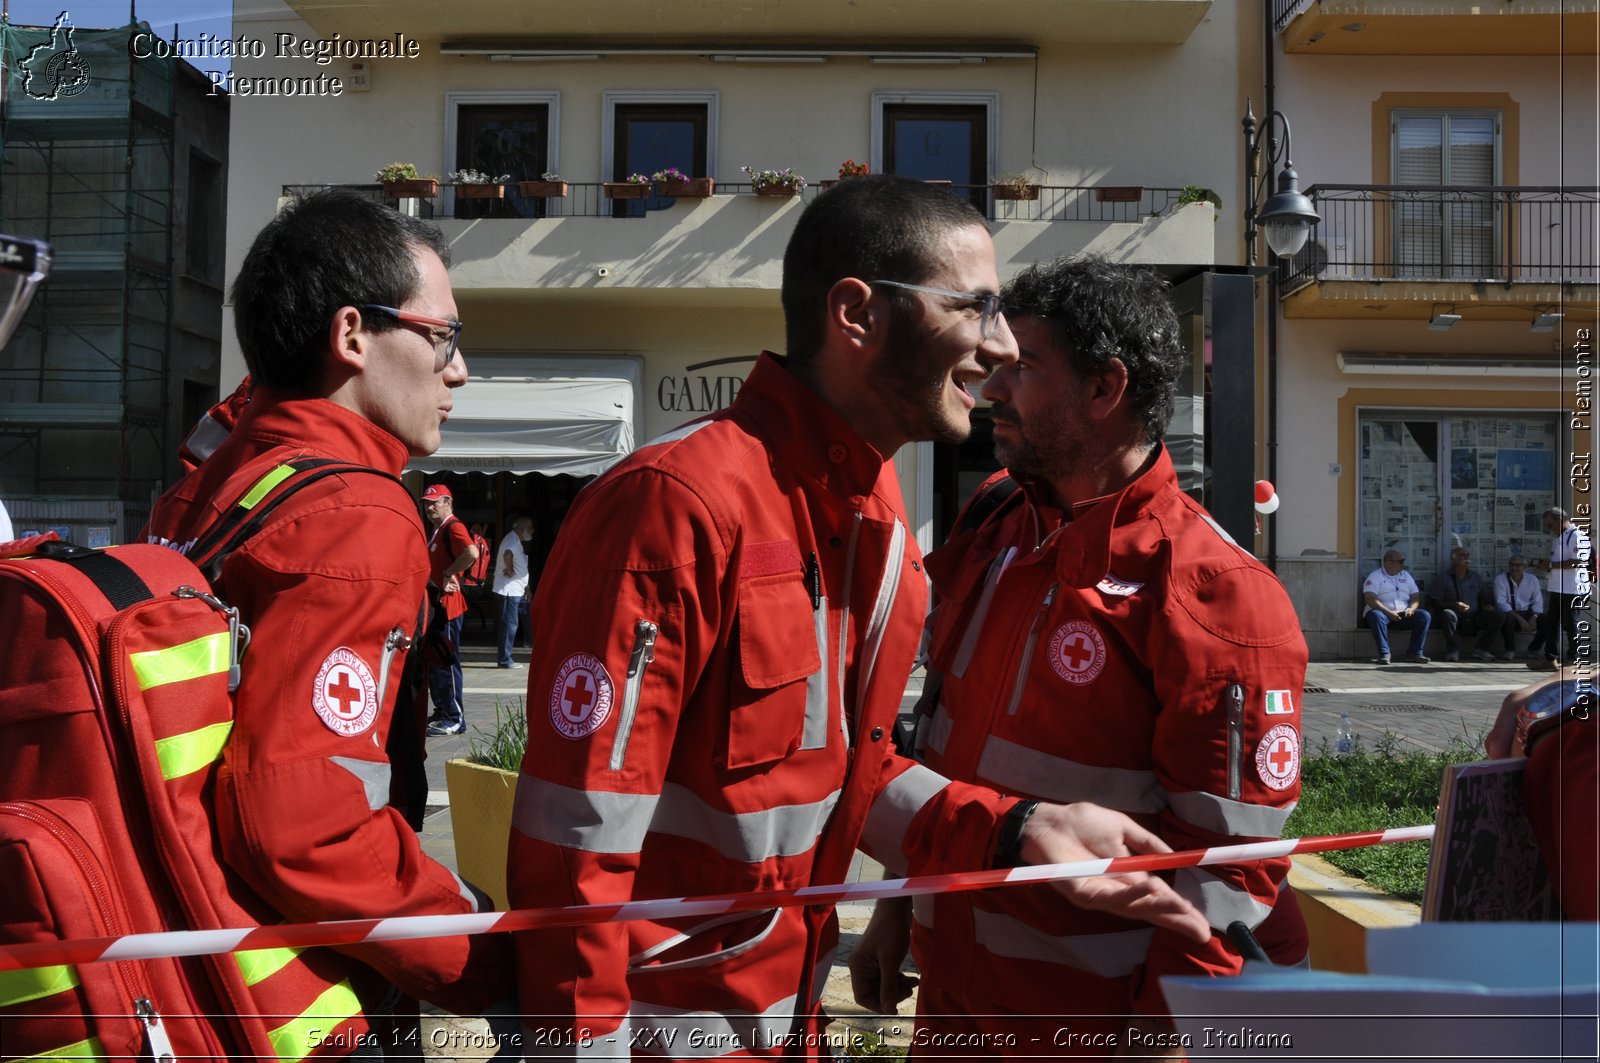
pixel 1008 850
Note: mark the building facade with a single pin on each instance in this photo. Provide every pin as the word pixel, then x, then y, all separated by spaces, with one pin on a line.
pixel 594 324
pixel 121 163
pixel 1434 340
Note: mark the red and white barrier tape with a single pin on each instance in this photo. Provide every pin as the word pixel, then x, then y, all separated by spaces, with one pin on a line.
pixel 356 931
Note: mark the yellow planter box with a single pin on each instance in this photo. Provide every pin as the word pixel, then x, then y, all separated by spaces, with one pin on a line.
pixel 481 800
pixel 1339 911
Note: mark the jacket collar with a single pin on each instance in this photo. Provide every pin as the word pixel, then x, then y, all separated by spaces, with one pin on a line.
pixel 1083 552
pixel 277 418
pixel 811 436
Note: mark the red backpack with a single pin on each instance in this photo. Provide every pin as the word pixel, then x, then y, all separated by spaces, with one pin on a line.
pixel 478 574
pixel 115 707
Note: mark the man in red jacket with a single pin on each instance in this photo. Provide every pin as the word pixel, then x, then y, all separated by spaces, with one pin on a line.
pixel 721 640
pixel 451 552
pixel 1097 635
pixel 347 321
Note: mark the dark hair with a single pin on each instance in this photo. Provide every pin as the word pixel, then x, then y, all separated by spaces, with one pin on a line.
pixel 875 227
pixel 329 249
pixel 1099 310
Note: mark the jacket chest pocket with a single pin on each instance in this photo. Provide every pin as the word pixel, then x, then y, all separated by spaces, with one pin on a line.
pixel 778 700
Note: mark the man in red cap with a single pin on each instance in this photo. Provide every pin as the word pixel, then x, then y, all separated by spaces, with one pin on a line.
pixel 450 553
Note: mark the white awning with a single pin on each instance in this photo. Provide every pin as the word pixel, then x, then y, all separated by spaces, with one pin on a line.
pixel 539 415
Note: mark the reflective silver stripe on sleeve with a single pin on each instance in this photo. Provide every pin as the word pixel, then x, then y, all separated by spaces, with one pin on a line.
pixel 595 821
pixel 922 909
pixel 890 817
pixel 614 1045
pixel 679 1033
pixel 815 734
pixel 882 609
pixel 1113 955
pixel 1018 769
pixel 969 638
pixel 1221 902
pixel 939 729
pixel 1222 816
pixel 374 776
pixel 786 830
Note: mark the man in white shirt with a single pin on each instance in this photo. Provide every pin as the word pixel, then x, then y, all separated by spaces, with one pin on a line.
pixel 1567 584
pixel 1395 600
pixel 511 583
pixel 1521 604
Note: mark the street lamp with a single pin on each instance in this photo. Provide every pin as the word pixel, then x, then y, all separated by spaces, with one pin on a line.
pixel 1288 216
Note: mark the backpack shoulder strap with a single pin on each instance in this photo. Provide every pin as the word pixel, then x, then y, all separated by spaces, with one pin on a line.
pixel 991 500
pixel 250 512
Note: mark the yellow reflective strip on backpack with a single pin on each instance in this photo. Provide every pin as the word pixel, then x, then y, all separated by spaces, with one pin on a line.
pixel 257 965
pixel 188 753
pixel 207 655
pixel 265 485
pixel 296 1039
pixel 19 987
pixel 90 1049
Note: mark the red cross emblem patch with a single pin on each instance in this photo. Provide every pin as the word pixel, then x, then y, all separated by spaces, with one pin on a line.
pixel 580 698
pixel 1278 757
pixel 1077 652
pixel 344 694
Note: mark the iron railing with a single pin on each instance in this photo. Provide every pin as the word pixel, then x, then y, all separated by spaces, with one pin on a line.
pixel 1055 203
pixel 1498 234
pixel 1284 12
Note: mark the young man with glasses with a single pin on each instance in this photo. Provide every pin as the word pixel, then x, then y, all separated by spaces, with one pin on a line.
pixel 1393 599
pixel 347 321
pixel 1096 637
pixel 721 639
pixel 1521 605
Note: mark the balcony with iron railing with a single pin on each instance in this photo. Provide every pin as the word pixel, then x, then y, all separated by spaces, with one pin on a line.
pixel 735 239
pixel 1509 246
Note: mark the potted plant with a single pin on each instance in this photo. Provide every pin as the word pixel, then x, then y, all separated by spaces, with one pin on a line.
pixel 483 789
pixel 548 185
pixel 634 186
pixel 1118 193
pixel 475 184
pixel 850 168
pixel 401 180
pixel 1015 186
pixel 1195 194
pixel 674 182
pixel 783 182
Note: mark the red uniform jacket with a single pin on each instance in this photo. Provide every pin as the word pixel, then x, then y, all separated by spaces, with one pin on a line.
pixel 1134 657
pixel 331 589
pixel 445 544
pixel 721 642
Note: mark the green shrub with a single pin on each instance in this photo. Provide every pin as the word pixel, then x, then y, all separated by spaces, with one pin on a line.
pixel 503 746
pixel 1358 791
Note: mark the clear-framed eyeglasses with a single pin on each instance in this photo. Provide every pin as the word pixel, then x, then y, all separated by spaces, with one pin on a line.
pixel 989 319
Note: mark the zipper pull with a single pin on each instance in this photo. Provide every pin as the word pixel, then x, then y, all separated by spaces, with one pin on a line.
pixel 155 1034
pixel 397 640
pixel 238 633
pixel 644 647
pixel 814 581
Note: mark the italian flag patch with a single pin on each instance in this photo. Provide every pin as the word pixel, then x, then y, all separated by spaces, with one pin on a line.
pixel 1280 703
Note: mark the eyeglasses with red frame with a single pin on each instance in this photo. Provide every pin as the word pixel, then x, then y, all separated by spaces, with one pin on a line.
pixel 451 337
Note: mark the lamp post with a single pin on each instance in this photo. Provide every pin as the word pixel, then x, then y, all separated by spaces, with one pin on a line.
pixel 1286 217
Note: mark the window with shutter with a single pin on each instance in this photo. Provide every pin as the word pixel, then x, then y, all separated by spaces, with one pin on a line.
pixel 1443 229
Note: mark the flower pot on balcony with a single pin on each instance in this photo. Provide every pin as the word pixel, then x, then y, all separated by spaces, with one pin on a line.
pixel 541 189
pixel 693 188
pixel 1118 193
pixel 626 190
pixel 480 191
pixel 782 191
pixel 419 188
pixel 1015 192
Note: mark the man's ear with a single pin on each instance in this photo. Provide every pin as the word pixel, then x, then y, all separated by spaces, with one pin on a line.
pixel 853 314
pixel 347 339
pixel 1104 389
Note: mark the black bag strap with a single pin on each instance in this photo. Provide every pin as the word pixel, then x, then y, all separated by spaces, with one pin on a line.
pixel 250 512
pixel 991 501
pixel 120 584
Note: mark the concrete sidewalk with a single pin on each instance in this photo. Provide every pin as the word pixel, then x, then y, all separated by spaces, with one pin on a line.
pixel 1429 706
